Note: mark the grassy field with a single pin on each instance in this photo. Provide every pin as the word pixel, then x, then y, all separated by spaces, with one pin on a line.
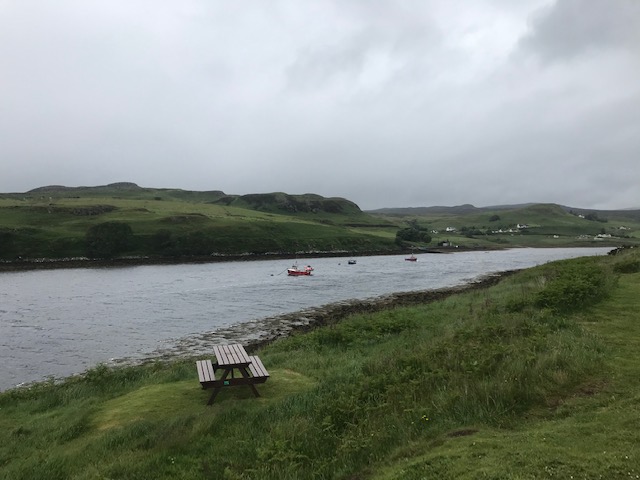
pixel 546 225
pixel 175 223
pixel 61 222
pixel 535 377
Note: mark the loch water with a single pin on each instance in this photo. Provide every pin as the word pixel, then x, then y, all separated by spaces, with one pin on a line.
pixel 57 323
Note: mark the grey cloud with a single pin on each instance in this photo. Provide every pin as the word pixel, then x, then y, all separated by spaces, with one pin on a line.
pixel 387 103
pixel 570 28
pixel 366 31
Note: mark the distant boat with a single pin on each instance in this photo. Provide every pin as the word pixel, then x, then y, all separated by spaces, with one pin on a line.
pixel 412 258
pixel 351 262
pixel 294 271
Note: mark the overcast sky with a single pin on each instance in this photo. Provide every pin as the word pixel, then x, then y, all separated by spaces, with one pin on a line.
pixel 388 103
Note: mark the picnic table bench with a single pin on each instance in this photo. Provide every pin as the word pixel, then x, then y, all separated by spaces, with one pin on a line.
pixel 228 359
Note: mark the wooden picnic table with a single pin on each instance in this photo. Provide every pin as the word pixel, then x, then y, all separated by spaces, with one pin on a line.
pixel 230 358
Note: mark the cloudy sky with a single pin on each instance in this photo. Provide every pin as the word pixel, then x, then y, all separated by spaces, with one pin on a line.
pixel 388 103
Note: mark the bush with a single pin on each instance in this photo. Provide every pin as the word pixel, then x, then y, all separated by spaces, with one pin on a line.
pixel 575 285
pixel 627 267
pixel 108 239
pixel 412 235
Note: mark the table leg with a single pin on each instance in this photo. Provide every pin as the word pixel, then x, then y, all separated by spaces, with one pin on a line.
pixel 245 374
pixel 216 390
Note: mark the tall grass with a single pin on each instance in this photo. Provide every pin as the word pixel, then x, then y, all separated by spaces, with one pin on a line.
pixel 342 400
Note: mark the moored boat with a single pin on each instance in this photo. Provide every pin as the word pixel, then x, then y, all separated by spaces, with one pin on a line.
pixel 295 271
pixel 412 258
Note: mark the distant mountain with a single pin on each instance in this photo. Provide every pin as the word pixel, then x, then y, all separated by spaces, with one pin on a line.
pixel 55 189
pixel 283 202
pixel 277 202
pixel 631 214
pixel 456 210
pixel 466 209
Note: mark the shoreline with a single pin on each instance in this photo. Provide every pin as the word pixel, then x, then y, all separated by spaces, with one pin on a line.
pixel 70 263
pixel 259 333
pixel 307 320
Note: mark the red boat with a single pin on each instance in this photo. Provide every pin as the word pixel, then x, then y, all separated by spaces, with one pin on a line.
pixel 412 258
pixel 295 271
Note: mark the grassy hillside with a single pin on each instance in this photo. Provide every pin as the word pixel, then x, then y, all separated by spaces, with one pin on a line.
pixel 535 377
pixel 53 222
pixel 125 220
pixel 527 225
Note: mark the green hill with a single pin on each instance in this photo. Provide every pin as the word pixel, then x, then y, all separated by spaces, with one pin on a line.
pixel 123 219
pixel 524 225
pixel 126 220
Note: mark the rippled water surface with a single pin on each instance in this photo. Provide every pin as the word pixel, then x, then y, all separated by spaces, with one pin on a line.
pixel 55 323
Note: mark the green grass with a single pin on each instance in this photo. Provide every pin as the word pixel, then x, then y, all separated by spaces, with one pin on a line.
pixel 590 432
pixel 55 227
pixel 549 225
pixel 53 223
pixel 488 384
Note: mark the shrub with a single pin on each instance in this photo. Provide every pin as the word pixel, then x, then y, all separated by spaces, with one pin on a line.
pixel 412 235
pixel 627 267
pixel 575 285
pixel 108 239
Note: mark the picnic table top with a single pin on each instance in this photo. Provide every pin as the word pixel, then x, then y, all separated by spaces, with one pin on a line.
pixel 231 355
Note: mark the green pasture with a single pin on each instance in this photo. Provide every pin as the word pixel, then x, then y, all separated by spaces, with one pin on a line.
pixel 547 225
pixel 536 377
pixel 59 222
pixel 183 225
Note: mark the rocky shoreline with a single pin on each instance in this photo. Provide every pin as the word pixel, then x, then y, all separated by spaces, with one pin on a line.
pixel 259 333
pixel 83 262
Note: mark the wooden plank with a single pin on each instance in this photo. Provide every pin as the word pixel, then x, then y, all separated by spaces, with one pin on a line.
pixel 220 355
pixel 201 371
pixel 257 368
pixel 205 371
pixel 231 355
pixel 240 354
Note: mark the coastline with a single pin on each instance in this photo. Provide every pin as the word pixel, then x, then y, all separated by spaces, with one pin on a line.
pixel 262 331
pixel 70 263
pixel 48 263
pixel 259 333
pixel 265 329
pixel 309 319
pixel 134 261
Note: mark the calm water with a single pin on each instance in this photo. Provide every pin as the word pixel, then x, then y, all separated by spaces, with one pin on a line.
pixel 55 323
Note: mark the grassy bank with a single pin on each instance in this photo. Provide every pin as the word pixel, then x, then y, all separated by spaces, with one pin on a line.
pixel 535 377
